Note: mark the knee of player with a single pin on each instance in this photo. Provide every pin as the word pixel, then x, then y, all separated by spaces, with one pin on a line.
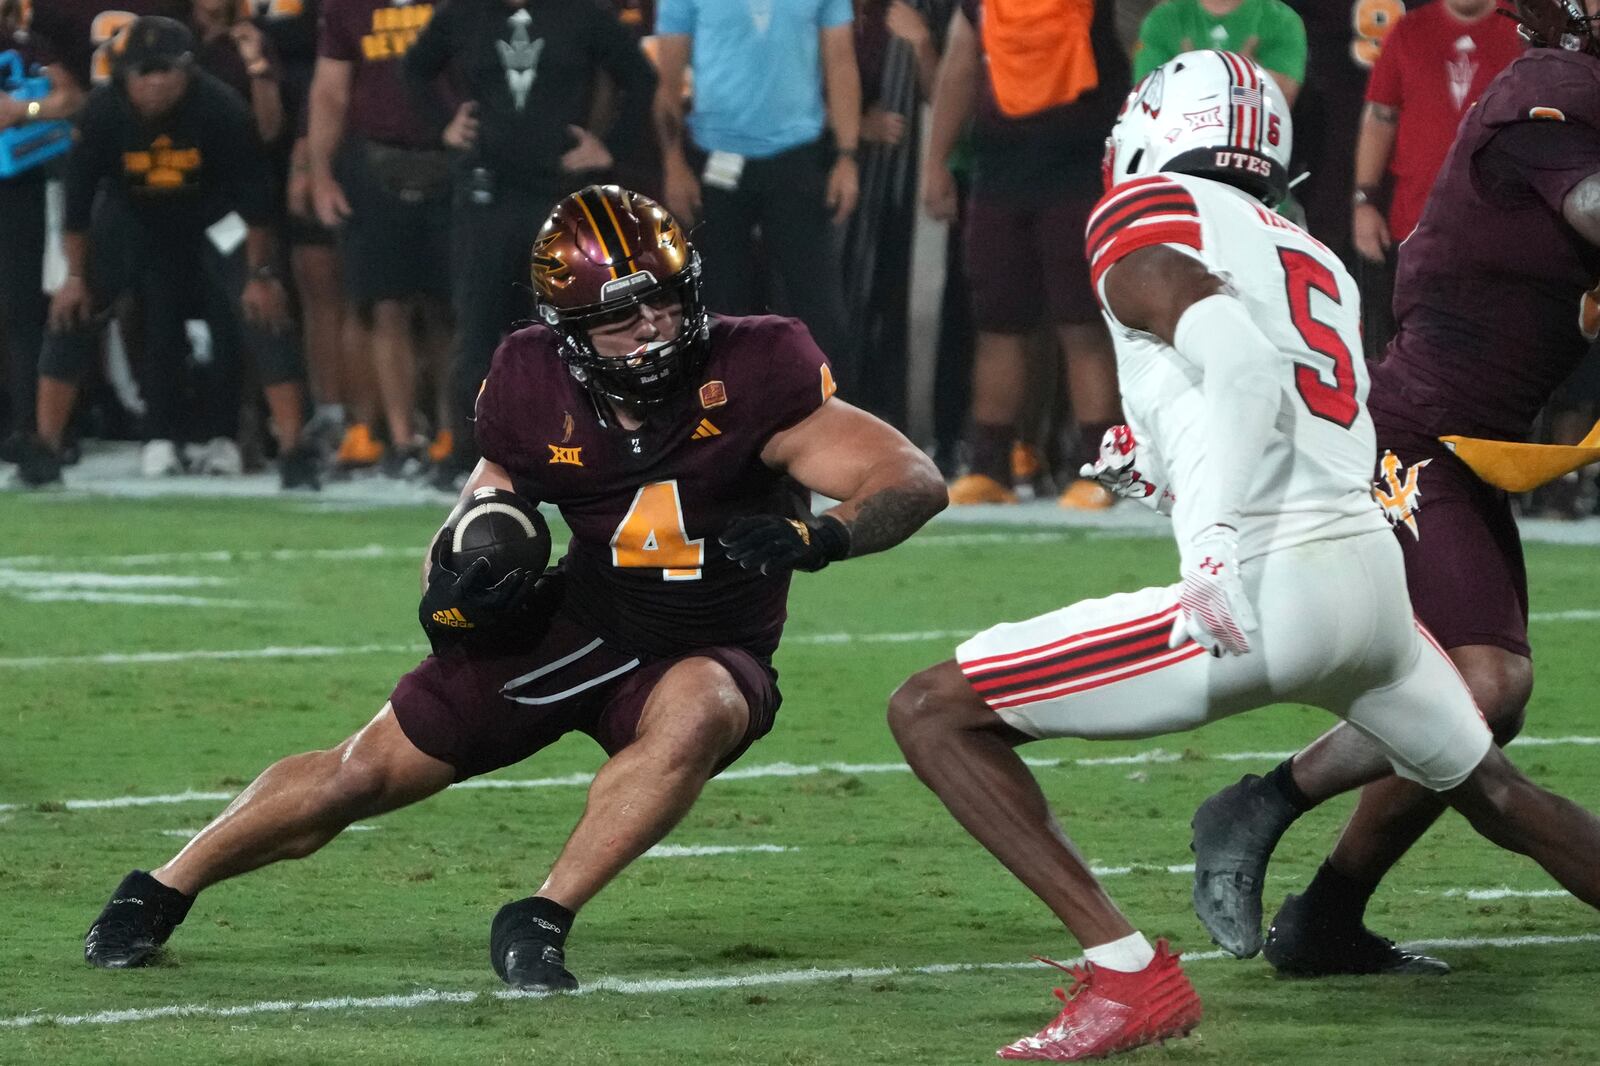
pixel 925 705
pixel 1490 796
pixel 1501 691
pixel 712 722
pixel 351 781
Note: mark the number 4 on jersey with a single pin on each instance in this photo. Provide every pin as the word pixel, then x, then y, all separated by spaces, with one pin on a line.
pixel 652 536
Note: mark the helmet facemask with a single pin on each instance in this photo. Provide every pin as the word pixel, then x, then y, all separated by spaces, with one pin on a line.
pixel 1564 24
pixel 656 371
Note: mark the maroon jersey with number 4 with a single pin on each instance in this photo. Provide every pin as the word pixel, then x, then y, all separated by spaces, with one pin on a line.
pixel 1496 295
pixel 644 568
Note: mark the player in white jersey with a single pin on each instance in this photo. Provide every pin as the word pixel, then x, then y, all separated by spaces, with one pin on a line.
pixel 1236 338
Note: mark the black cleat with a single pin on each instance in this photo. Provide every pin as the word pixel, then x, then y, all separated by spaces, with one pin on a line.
pixel 536 966
pixel 521 952
pixel 405 462
pixel 14 447
pixel 38 465
pixel 300 468
pixel 1234 834
pixel 1302 943
pixel 142 914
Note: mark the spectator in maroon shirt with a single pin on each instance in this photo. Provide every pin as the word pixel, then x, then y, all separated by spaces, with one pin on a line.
pixel 379 173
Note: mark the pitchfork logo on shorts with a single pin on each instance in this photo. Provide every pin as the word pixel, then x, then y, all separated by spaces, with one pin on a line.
pixel 1398 494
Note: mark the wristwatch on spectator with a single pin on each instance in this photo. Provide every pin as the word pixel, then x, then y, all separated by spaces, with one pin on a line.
pixel 847 153
pixel 34 110
pixel 1365 195
pixel 264 272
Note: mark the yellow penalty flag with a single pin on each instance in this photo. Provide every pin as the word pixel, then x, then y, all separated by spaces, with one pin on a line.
pixel 1523 467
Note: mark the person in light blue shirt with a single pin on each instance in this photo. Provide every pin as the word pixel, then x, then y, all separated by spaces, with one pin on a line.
pixel 772 78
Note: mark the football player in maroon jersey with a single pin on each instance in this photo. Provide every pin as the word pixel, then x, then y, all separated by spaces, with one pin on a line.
pixel 1497 302
pixel 680 449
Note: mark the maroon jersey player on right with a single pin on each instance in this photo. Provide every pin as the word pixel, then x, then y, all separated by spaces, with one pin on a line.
pixel 681 450
pixel 1496 299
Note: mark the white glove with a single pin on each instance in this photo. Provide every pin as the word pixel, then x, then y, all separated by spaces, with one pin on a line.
pixel 1117 468
pixel 1213 610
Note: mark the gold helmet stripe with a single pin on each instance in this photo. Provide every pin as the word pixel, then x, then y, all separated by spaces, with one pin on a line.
pixel 595 226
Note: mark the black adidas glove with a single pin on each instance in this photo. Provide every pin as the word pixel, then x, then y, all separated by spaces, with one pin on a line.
pixel 772 544
pixel 466 611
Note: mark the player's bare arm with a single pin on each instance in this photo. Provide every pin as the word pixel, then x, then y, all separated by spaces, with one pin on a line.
pixel 886 487
pixel 1150 289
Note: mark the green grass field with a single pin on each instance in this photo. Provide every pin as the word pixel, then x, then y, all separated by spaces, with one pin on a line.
pixel 876 879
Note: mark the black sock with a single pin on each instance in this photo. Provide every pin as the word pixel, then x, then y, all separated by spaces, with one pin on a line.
pixel 989 451
pixel 1338 896
pixel 1281 777
pixel 168 902
pixel 549 920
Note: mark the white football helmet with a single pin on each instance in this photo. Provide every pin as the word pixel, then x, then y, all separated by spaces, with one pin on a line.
pixel 1215 114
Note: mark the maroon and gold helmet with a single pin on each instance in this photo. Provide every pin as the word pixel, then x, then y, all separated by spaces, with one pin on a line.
pixel 1557 24
pixel 602 252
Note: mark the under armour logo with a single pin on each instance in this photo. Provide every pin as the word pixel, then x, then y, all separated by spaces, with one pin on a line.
pixel 1211 566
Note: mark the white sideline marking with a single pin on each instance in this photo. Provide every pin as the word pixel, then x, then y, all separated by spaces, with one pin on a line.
pixel 693 851
pixel 36 579
pixel 1475 894
pixel 365 551
pixel 323 651
pixel 140 658
pixel 1157 756
pixel 414 551
pixel 1502 893
pixel 655 985
pixel 138 599
pixel 190 834
pixel 333 650
pixel 1583 615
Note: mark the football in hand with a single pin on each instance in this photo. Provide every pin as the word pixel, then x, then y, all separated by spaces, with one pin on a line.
pixel 500 526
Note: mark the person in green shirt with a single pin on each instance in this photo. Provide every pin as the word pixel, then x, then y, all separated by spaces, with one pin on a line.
pixel 1267 31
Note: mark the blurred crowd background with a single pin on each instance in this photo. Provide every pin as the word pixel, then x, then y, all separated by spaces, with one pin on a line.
pixel 292 232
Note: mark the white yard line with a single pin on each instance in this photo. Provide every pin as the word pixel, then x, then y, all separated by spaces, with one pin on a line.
pixel 11 578
pixel 114 658
pixel 364 551
pixel 142 658
pixel 655 986
pixel 1500 893
pixel 136 599
pixel 581 779
pixel 414 551
pixel 695 851
pixel 190 834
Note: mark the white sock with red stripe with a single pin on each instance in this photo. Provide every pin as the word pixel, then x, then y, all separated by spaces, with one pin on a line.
pixel 1129 955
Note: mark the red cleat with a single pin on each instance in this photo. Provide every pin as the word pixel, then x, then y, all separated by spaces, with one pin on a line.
pixel 1107 1011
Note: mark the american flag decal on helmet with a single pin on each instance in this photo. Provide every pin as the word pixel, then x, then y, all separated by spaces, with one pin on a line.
pixel 1245 101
